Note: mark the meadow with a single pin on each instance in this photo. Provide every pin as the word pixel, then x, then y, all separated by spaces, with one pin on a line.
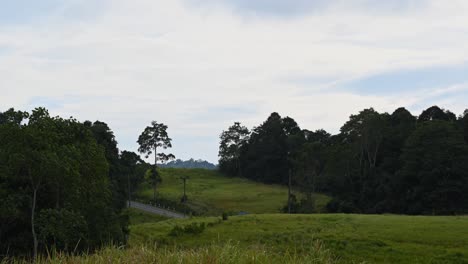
pixel 212 193
pixel 345 238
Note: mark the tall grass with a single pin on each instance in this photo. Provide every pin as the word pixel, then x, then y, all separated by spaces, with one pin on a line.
pixel 225 253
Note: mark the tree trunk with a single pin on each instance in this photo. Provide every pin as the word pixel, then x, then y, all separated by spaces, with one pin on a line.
pixel 57 197
pixel 289 192
pixel 129 192
pixel 33 229
pixel 155 169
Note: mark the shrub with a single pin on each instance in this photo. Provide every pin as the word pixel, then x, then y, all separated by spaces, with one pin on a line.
pixel 193 229
pixel 64 229
pixel 176 231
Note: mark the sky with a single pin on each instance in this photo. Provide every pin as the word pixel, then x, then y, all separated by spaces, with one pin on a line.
pixel 198 66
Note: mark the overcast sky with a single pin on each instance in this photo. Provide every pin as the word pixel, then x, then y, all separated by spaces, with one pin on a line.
pixel 198 66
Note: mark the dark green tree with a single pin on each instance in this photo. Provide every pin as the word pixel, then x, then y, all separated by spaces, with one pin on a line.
pixel 230 146
pixel 436 113
pixel 52 169
pixel 433 178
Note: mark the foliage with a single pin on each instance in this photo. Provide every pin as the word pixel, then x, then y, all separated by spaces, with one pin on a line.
pixel 62 229
pixel 433 178
pixel 60 184
pixel 224 216
pixel 232 140
pixel 378 163
pixel 191 229
pixel 152 138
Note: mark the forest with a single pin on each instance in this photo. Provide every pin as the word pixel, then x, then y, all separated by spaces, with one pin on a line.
pixel 377 163
pixel 63 183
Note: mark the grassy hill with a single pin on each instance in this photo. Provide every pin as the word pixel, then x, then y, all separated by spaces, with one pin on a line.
pixel 348 238
pixel 211 193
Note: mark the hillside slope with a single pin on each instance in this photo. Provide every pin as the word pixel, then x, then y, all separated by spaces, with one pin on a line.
pixel 211 193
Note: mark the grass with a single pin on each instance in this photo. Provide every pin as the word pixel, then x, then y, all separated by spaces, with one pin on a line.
pixel 212 193
pixel 139 217
pixel 226 253
pixel 351 238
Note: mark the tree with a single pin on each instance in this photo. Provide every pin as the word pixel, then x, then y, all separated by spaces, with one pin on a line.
pixel 463 122
pixel 265 157
pixel 51 170
pixel 128 166
pixel 230 146
pixel 105 137
pixel 37 159
pixel 310 164
pixel 433 178
pixel 436 113
pixel 152 138
pixel 365 133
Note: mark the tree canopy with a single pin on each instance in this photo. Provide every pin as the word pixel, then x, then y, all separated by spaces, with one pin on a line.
pixel 377 163
pixel 60 184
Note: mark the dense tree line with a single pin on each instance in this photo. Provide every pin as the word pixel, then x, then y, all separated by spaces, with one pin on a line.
pixel 379 162
pixel 63 184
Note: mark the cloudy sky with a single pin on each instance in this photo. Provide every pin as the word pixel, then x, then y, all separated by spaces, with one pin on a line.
pixel 198 66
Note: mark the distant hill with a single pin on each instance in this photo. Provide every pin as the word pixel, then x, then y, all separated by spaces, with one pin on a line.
pixel 189 164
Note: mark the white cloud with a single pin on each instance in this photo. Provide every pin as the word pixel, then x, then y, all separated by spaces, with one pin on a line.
pixel 144 60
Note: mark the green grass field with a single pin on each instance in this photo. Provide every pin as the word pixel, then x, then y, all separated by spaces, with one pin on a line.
pixel 349 238
pixel 139 217
pixel 212 193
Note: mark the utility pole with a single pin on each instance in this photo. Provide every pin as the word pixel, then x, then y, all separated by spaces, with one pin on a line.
pixel 184 198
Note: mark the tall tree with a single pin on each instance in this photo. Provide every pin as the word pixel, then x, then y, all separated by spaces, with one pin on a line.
pixel 155 137
pixel 230 146
pixel 128 166
pixel 118 180
pixel 365 133
pixel 265 157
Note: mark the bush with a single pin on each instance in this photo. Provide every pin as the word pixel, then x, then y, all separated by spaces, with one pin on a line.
pixel 341 206
pixel 302 207
pixel 193 229
pixel 63 229
pixel 176 231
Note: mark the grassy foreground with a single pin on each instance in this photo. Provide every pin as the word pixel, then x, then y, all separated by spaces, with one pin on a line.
pixel 223 254
pixel 212 193
pixel 349 238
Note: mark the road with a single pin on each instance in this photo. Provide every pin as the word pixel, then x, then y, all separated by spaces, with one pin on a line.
pixel 155 210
